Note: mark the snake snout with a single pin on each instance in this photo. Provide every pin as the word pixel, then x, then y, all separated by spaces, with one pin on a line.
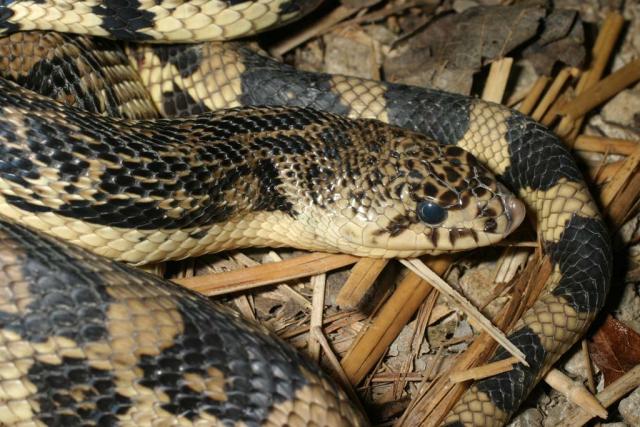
pixel 515 212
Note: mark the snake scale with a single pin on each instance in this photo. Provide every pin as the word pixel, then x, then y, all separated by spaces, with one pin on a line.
pixel 88 341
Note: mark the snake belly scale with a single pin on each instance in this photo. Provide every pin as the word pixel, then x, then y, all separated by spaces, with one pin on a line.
pixel 59 163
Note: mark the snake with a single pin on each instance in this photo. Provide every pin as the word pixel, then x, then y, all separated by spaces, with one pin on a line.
pixel 309 160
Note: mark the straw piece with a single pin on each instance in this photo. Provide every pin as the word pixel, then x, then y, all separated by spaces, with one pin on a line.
pixel 602 91
pixel 432 403
pixel 443 287
pixel 534 95
pixel 624 204
pixel 318 282
pixel 285 288
pixel 337 321
pixel 266 274
pixel 372 342
pixel 617 183
pixel 576 393
pixel 576 416
pixel 386 377
pixel 587 362
pixel 605 172
pixel 601 53
pixel 601 144
pixel 335 364
pixel 552 93
pixel 605 42
pixel 363 276
pixel 497 80
pixel 484 371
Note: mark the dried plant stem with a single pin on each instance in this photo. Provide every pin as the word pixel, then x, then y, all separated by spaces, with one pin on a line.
pixel 576 393
pixel 497 80
pixel 534 95
pixel 601 91
pixel 601 53
pixel 624 204
pixel 318 283
pixel 285 288
pixel 335 363
pixel 430 406
pixel 266 274
pixel 552 94
pixel 587 362
pixel 371 344
pixel 577 416
pixel 617 183
pixel 600 144
pixel 484 371
pixel 606 171
pixel 363 276
pixel 469 309
pixel 337 320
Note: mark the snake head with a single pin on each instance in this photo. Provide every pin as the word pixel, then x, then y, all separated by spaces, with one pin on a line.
pixel 413 196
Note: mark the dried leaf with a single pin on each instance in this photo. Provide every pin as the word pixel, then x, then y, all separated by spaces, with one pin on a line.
pixel 451 49
pixel 562 40
pixel 615 349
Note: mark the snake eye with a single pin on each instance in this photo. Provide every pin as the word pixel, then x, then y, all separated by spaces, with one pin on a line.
pixel 431 213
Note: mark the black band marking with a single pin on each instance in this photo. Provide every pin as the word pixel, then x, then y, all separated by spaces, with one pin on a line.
pixel 583 255
pixel 439 115
pixel 538 159
pixel 508 390
pixel 58 387
pixel 267 82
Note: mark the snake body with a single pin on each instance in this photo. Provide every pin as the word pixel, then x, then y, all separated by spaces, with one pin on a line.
pixel 88 341
pixel 525 155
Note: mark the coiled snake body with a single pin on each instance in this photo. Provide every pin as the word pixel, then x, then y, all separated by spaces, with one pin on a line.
pixel 88 341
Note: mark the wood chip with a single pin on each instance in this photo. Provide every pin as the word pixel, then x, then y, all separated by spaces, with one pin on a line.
pixel 266 274
pixel 395 313
pixel 318 283
pixel 363 276
pixel 497 81
pixel 576 393
pixel 577 416
pixel 484 371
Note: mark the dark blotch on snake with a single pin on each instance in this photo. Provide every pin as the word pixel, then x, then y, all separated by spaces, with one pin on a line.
pixel 124 19
pixel 178 102
pixel 58 386
pixel 197 351
pixel 186 58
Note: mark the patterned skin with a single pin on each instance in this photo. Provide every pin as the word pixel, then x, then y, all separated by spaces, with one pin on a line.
pixel 526 156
